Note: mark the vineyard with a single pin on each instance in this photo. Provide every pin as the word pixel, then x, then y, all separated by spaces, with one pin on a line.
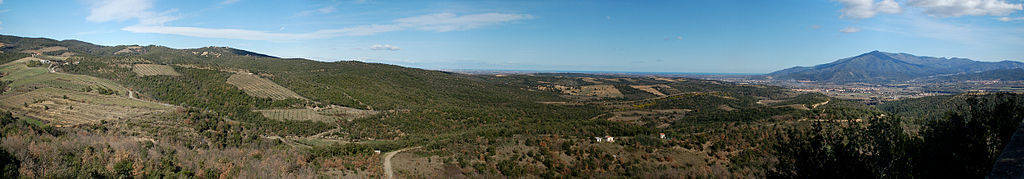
pixel 324 114
pixel 259 87
pixel 296 114
pixel 154 69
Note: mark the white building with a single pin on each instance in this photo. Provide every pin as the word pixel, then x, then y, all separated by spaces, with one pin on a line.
pixel 609 139
pixel 598 139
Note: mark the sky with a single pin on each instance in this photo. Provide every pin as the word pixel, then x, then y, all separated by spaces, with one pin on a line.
pixel 701 36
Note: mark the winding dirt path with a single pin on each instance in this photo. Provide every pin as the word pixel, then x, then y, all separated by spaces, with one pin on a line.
pixel 387 161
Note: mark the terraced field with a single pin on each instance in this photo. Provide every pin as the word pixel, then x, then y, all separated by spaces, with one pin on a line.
pixel 154 69
pixel 66 107
pixel 67 99
pixel 259 87
pixel 328 114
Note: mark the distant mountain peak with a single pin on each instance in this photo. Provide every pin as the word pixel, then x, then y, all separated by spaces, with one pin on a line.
pixel 878 66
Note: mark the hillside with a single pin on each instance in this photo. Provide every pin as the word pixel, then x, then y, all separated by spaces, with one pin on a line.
pixel 884 67
pixel 1016 74
pixel 70 108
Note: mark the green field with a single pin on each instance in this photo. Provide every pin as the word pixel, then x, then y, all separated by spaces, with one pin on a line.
pixel 24 78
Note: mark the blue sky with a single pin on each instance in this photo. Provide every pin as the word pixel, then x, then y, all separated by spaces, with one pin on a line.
pixel 720 36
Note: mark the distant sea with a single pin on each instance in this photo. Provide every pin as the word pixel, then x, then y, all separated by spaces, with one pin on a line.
pixel 506 71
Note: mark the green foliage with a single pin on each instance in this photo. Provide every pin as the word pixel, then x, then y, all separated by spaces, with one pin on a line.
pixel 9 165
pixel 970 136
pixel 34 63
pixel 9 56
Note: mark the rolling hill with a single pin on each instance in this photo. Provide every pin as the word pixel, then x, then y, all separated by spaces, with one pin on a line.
pixel 882 67
pixel 70 108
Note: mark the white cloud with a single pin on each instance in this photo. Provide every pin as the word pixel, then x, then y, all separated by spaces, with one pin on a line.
pixel 849 30
pixel 956 8
pixel 121 10
pixel 1008 19
pixel 229 1
pixel 385 47
pixel 443 22
pixel 322 10
pixel 859 9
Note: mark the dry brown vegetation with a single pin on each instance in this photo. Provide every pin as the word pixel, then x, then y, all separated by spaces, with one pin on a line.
pixel 46 49
pixel 129 49
pixel 650 88
pixel 604 91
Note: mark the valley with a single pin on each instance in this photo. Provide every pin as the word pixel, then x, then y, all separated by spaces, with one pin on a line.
pixel 72 108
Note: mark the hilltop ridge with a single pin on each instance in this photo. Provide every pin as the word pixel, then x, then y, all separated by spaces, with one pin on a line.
pixel 882 67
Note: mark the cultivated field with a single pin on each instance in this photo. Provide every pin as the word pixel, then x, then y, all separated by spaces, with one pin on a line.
pixel 66 107
pixel 259 87
pixel 154 69
pixel 296 114
pixel 650 88
pixel 605 91
pixel 129 49
pixel 319 114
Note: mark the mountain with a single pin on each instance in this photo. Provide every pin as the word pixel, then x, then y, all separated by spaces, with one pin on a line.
pixel 884 67
pixel 1016 74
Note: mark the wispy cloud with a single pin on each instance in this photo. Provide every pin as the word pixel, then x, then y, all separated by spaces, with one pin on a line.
pixel 385 47
pixel 1008 19
pixel 443 22
pixel 322 10
pixel 849 30
pixel 956 32
pixel 678 37
pixel 122 10
pixel 860 9
pixel 956 8
pixel 229 1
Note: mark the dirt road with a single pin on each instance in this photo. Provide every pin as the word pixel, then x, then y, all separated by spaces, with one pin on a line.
pixel 387 161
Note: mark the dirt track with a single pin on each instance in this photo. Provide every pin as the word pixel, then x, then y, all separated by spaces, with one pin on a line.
pixel 387 161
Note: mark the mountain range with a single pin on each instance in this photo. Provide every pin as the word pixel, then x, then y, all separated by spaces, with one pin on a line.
pixel 882 67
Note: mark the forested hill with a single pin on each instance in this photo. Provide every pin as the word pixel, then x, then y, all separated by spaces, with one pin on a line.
pixel 346 83
pixel 875 67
